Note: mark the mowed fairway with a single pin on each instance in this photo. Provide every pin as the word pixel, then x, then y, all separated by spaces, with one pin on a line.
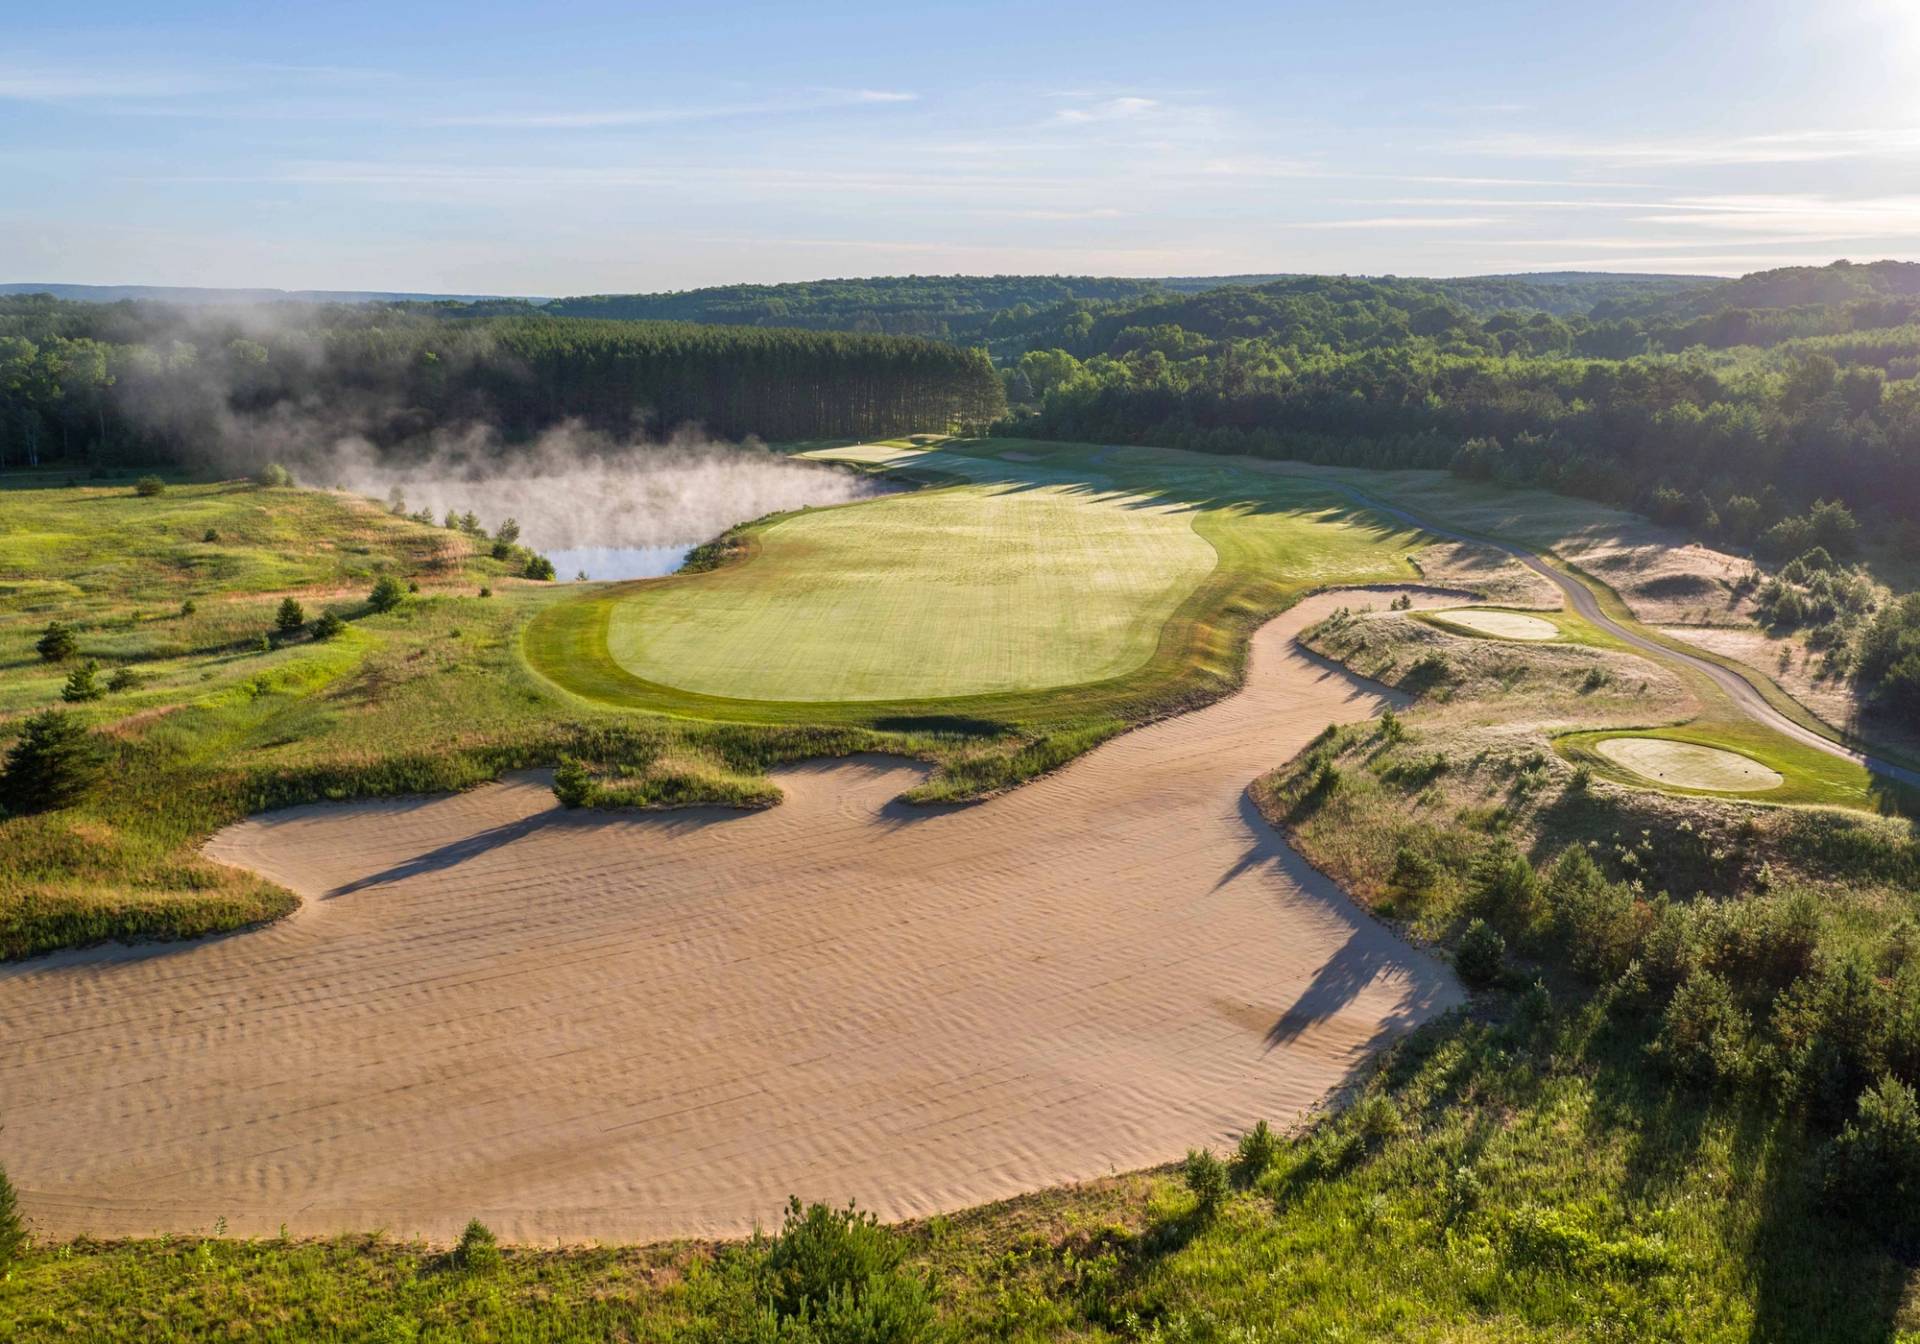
pixel 961 591
pixel 1078 588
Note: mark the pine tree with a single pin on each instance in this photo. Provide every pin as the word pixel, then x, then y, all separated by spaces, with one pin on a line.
pixel 83 684
pixel 386 594
pixel 50 765
pixel 57 644
pixel 290 617
pixel 13 1229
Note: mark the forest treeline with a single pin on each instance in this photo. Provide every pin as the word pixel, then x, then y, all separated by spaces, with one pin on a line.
pixel 1669 403
pixel 144 383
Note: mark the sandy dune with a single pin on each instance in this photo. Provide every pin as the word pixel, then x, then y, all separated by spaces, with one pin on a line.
pixel 642 1026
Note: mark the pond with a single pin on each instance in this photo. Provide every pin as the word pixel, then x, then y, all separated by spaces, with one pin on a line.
pixel 616 562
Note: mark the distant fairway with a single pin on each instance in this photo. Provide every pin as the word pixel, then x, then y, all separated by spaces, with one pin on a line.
pixel 952 592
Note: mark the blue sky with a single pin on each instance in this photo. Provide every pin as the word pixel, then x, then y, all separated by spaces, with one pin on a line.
pixel 609 147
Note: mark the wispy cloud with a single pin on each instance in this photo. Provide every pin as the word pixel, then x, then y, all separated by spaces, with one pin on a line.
pixel 599 118
pixel 55 85
pixel 1792 146
pixel 1125 108
pixel 1406 222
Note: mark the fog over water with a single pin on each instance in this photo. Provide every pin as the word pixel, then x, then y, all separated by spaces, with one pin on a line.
pixel 615 510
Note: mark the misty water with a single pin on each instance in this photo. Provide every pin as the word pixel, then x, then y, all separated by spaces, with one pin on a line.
pixel 608 509
pixel 617 562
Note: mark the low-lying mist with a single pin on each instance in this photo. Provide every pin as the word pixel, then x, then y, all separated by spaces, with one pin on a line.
pixel 590 503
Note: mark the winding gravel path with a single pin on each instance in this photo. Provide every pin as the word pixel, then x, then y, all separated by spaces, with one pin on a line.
pixel 1738 689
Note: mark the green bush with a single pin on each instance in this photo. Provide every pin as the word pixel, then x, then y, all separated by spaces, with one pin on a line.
pixel 572 785
pixel 273 474
pixel 1206 1177
pixel 188 607
pixel 123 679
pixel 477 1251
pixel 211 534
pixel 13 1228
pixel 1504 889
pixel 387 593
pixel 148 486
pixel 57 643
pixel 1871 1172
pixel 1414 875
pixel 1259 1147
pixel 328 625
pixel 486 591
pixel 539 567
pixel 51 765
pixel 290 617
pixel 1376 1121
pixel 1481 957
pixel 83 684
pixel 835 1273
pixel 1704 1034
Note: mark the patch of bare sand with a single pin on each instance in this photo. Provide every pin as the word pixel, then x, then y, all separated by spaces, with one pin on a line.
pixel 1663 579
pixel 640 1026
pixel 1494 574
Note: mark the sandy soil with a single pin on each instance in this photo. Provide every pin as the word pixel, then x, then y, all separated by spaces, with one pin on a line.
pixel 632 1027
pixel 1503 624
pixel 1688 766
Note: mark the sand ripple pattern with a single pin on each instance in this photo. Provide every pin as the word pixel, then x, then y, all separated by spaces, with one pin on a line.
pixel 633 1027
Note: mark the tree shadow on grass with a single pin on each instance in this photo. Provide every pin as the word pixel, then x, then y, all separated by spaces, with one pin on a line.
pixel 1815 1276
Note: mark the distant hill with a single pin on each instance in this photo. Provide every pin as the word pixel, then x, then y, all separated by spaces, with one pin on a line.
pixel 951 307
pixel 1799 287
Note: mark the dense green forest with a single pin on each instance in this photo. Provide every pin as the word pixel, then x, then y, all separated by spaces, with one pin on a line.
pixel 134 382
pixel 1727 418
pixel 950 307
pixel 1004 310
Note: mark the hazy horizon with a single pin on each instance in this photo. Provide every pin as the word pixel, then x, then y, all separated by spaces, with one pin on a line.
pixel 439 149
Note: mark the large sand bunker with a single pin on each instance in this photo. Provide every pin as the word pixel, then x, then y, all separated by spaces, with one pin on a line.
pixel 600 1026
pixel 1500 624
pixel 1685 765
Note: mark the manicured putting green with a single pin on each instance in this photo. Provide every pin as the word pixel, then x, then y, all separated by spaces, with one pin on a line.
pixel 1687 765
pixel 1500 624
pixel 969 590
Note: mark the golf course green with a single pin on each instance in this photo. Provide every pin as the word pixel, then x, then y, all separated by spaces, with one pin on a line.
pixel 1023 588
pixel 942 593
